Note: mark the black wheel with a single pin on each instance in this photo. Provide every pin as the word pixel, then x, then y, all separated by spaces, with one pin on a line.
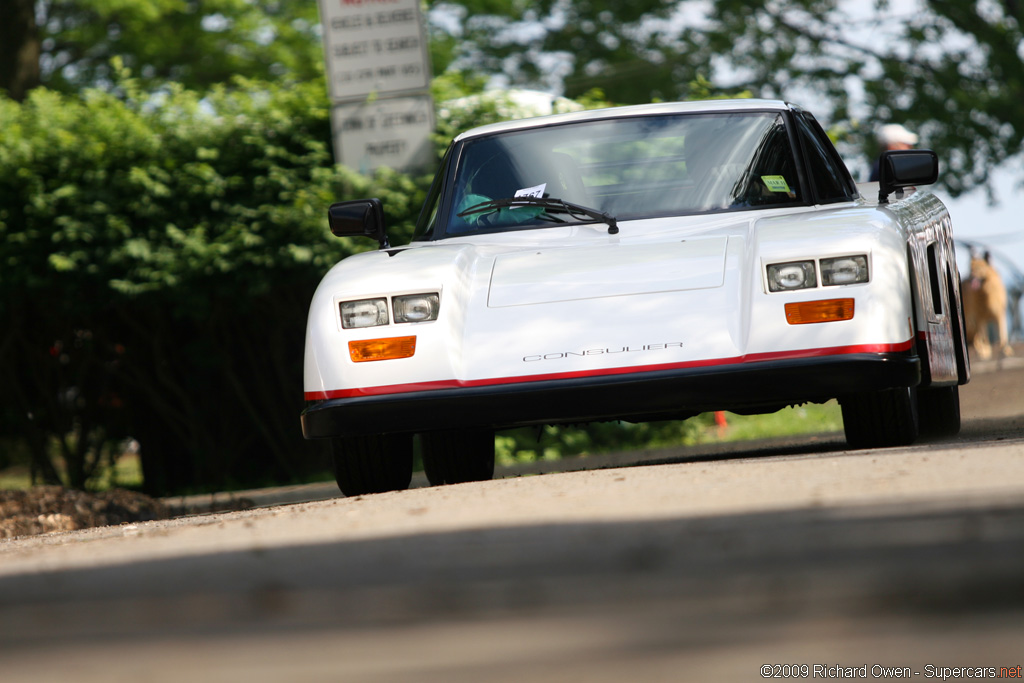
pixel 939 410
pixel 881 418
pixel 372 464
pixel 457 456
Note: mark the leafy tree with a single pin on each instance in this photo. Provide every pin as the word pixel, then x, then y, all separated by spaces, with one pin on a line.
pixel 68 44
pixel 953 69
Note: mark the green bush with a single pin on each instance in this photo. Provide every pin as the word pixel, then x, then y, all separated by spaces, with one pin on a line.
pixel 157 256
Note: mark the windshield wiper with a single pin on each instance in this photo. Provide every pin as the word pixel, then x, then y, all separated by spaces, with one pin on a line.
pixel 546 203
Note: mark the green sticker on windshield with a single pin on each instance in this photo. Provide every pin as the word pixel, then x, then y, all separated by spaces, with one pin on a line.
pixel 775 183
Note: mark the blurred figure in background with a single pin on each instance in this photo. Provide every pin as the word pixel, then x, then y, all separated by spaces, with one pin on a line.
pixel 984 299
pixel 892 136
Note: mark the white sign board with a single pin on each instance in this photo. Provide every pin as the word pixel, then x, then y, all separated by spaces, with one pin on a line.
pixel 393 132
pixel 374 46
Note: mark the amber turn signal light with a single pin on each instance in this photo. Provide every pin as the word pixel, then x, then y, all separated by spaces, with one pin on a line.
pixel 381 349
pixel 825 311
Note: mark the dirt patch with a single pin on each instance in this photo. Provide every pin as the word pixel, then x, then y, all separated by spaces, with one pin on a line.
pixel 43 509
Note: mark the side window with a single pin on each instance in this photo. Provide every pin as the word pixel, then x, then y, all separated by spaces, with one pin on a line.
pixel 824 167
pixel 770 177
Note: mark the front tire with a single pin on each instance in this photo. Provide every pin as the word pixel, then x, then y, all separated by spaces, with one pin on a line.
pixel 458 455
pixel 881 418
pixel 372 464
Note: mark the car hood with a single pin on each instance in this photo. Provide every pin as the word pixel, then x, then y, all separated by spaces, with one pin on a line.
pixel 557 264
pixel 548 275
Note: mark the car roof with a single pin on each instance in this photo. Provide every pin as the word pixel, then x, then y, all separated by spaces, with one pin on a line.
pixel 660 108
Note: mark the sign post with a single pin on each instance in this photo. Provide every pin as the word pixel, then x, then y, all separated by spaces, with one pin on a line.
pixel 379 73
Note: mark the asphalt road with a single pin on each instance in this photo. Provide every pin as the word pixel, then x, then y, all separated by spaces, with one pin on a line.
pixel 672 566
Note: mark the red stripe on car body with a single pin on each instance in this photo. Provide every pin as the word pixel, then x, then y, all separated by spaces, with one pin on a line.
pixel 435 385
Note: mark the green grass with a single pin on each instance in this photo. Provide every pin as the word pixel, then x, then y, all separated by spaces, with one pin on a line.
pixel 15 478
pixel 126 473
pixel 553 443
pixel 805 419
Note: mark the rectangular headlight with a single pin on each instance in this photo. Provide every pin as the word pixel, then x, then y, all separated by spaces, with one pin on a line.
pixel 364 313
pixel 416 308
pixel 844 270
pixel 785 277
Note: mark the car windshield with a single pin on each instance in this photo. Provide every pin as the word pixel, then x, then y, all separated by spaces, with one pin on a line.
pixel 630 167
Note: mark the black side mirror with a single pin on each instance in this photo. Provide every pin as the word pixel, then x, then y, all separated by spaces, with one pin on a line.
pixel 898 169
pixel 358 218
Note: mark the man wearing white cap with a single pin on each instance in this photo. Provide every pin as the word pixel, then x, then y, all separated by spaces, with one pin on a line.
pixel 892 136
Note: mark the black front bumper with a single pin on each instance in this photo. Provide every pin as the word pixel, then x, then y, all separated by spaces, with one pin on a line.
pixel 742 387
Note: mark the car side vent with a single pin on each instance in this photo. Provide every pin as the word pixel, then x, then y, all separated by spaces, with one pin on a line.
pixel 933 278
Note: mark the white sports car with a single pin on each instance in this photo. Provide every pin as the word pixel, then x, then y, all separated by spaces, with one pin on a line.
pixel 637 263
